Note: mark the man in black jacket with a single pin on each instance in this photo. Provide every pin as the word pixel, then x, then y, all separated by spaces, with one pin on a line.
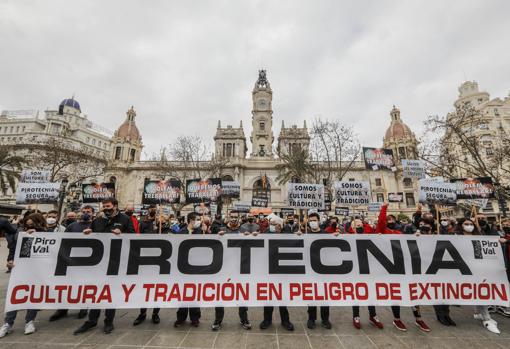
pixel 117 223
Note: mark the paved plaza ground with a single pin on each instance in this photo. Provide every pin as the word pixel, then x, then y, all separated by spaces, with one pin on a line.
pixel 468 334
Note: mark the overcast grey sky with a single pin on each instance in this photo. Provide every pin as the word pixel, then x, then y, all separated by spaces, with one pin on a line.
pixel 186 64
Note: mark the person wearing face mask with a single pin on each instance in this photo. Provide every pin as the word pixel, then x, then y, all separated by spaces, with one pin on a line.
pixel 263 224
pixel 291 226
pixel 194 226
pixel 468 228
pixel 232 227
pixel 111 222
pixel 333 226
pixel 84 222
pixel 313 222
pixel 70 219
pixel 485 227
pixel 52 222
pixel 387 225
pixel 359 227
pixel 130 209
pixel 34 222
pixel 275 227
pixel 250 226
pixel 216 224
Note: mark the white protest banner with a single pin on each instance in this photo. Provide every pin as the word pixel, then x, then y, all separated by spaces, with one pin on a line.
pixel 231 189
pixel 432 191
pixel 302 195
pixel 482 203
pixel 374 207
pixel 341 211
pixel 413 168
pixel 28 193
pixel 35 176
pixel 102 270
pixel 352 193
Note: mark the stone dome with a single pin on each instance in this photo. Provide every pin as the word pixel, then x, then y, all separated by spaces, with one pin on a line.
pixel 398 129
pixel 128 129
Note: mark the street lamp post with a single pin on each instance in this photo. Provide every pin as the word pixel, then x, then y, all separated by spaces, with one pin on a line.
pixel 62 194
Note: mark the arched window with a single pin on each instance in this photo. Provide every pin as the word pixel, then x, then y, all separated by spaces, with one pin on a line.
pixel 262 189
pixel 408 182
pixel 227 178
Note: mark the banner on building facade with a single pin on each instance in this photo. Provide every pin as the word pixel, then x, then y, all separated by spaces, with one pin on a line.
pixel 413 168
pixel 379 159
pixel 432 191
pixel 230 189
pixel 474 188
pixel 97 192
pixel 35 176
pixel 101 271
pixel 302 195
pixel 200 190
pixel 352 193
pixel 157 192
pixel 37 193
pixel 396 197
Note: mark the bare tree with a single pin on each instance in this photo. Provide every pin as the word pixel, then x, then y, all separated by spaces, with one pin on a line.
pixel 187 158
pixel 334 149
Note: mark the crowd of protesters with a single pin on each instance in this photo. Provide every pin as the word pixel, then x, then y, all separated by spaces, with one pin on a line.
pixel 113 220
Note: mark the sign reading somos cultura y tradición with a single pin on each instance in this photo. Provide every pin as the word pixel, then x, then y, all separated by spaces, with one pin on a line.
pixel 302 195
pixel 352 193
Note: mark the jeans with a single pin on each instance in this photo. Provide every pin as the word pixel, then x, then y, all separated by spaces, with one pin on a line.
pixel 371 311
pixel 312 313
pixel 284 314
pixel 396 311
pixel 10 316
pixel 143 311
pixel 442 310
pixel 219 314
pixel 194 314
pixel 109 315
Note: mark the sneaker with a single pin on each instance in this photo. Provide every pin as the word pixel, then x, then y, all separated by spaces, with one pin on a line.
pixel 450 321
pixel 422 325
pixel 246 324
pixel 505 311
pixel 108 327
pixel 310 324
pixel 140 318
pixel 491 326
pixel 399 325
pixel 155 319
pixel 29 327
pixel 374 320
pixel 326 324
pixel 288 325
pixel 492 309
pixel 5 330
pixel 265 324
pixel 356 323
pixel 478 316
pixel 195 323
pixel 216 325
pixel 87 325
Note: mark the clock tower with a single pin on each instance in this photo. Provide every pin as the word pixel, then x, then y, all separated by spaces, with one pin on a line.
pixel 262 118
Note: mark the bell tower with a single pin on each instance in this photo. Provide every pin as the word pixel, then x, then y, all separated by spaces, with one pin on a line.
pixel 262 118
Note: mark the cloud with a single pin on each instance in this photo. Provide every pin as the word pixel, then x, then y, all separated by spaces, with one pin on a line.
pixel 185 65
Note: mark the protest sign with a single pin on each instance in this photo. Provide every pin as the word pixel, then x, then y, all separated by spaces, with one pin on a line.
pixel 302 195
pixel 474 188
pixel 104 271
pixel 379 159
pixel 396 197
pixel 352 193
pixel 260 200
pixel 242 206
pixel 40 193
pixel 200 190
pixel 287 211
pixel 230 189
pixel 481 203
pixel 342 211
pixel 161 192
pixel 413 168
pixel 436 192
pixel 97 192
pixel 374 207
pixel 35 176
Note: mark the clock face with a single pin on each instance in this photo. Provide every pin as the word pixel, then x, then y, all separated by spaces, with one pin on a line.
pixel 262 103
pixel 262 152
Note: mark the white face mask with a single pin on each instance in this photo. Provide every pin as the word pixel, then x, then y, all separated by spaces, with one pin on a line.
pixel 197 224
pixel 444 223
pixel 469 228
pixel 314 225
pixel 272 228
pixel 51 220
